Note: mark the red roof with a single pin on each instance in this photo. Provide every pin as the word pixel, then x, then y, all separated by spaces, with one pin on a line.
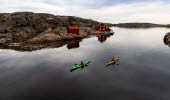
pixel 73 27
pixel 103 24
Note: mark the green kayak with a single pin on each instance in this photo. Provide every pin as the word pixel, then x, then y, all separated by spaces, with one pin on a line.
pixel 79 66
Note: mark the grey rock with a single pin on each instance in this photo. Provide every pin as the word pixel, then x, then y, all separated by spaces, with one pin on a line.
pixel 3 40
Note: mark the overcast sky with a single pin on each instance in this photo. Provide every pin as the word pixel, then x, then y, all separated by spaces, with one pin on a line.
pixel 112 11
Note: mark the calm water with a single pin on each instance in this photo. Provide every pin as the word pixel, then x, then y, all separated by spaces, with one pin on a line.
pixel 143 73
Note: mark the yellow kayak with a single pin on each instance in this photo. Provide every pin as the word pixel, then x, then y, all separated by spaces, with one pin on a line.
pixel 113 61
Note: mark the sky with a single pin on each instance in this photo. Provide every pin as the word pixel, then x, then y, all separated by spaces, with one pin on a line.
pixel 110 11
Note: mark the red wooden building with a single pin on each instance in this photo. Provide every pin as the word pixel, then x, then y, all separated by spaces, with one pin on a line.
pixel 103 27
pixel 73 29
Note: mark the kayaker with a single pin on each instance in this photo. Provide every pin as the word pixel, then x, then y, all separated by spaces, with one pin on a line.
pixel 82 64
pixel 113 59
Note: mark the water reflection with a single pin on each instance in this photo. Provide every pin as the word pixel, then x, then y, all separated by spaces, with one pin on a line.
pixel 46 73
pixel 103 38
pixel 167 39
pixel 74 44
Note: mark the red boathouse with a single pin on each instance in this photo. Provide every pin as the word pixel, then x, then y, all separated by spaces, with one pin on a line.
pixel 103 27
pixel 73 29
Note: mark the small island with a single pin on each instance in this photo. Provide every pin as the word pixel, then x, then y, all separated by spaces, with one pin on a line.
pixel 30 31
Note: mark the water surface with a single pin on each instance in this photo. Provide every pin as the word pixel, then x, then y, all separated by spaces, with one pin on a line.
pixel 143 73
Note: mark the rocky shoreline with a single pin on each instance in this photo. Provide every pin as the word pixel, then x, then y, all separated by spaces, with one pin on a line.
pixel 167 39
pixel 47 39
pixel 27 31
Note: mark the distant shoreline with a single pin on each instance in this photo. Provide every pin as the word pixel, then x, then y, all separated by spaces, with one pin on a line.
pixel 140 25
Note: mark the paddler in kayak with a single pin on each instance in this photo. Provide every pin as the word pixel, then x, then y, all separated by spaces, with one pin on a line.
pixel 113 59
pixel 82 64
